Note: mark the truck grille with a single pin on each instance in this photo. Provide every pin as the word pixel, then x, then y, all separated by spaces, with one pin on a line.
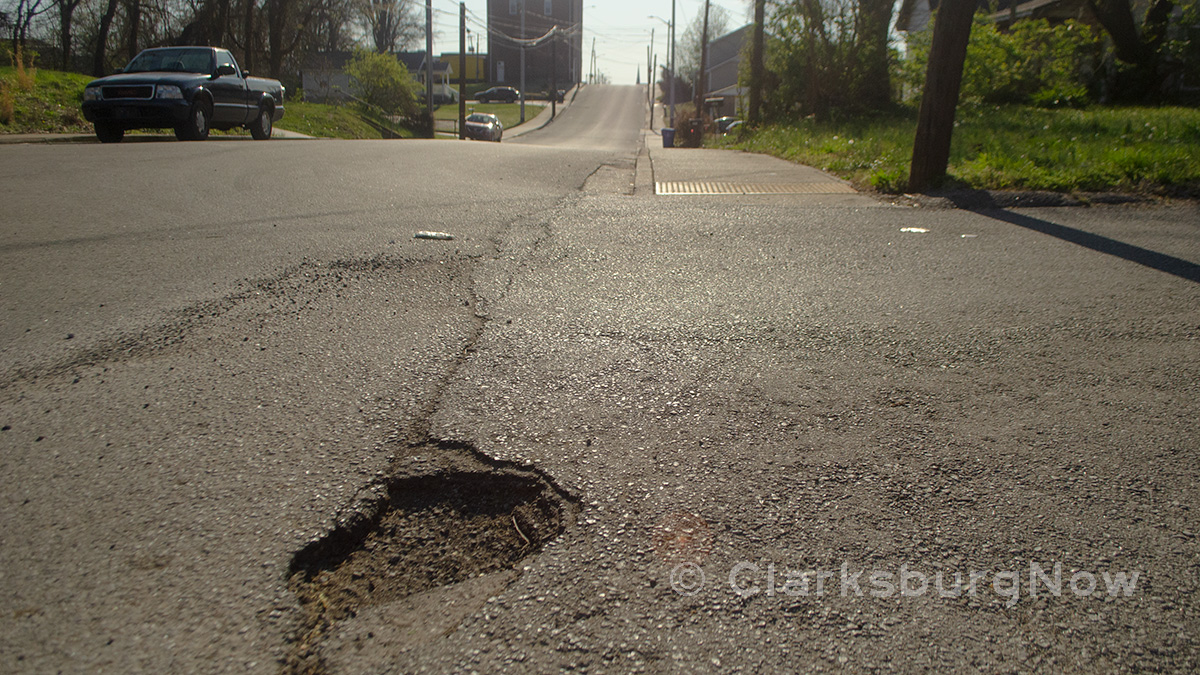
pixel 143 91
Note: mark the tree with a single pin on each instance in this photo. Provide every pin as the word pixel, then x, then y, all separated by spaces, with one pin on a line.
pixel 66 16
pixel 1141 49
pixel 392 24
pixel 100 55
pixel 830 55
pixel 288 23
pixel 691 41
pixel 133 21
pixel 874 85
pixel 22 19
pixel 332 27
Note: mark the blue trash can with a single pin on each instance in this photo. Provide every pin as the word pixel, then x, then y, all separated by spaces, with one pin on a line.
pixel 668 137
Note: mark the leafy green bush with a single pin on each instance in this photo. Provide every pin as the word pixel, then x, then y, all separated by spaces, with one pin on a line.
pixel 382 81
pixel 1035 62
pixel 827 58
pixel 1183 47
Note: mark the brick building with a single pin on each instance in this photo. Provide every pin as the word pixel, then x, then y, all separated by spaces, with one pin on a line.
pixel 504 19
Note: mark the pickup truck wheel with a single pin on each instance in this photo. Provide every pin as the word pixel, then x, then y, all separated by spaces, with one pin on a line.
pixel 196 127
pixel 109 133
pixel 260 129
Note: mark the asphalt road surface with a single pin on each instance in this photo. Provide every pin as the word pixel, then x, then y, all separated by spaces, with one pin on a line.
pixel 251 424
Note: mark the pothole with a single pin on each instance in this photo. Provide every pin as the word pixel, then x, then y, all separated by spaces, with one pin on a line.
pixel 415 534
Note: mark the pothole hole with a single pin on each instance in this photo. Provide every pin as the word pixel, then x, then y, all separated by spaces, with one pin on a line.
pixel 422 533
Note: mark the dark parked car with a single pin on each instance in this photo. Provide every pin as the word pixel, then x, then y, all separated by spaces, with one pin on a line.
pixel 724 122
pixel 484 127
pixel 506 94
pixel 188 89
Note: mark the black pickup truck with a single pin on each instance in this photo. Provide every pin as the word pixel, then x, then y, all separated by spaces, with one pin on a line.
pixel 189 89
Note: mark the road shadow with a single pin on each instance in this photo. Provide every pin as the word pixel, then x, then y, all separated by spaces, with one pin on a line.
pixel 1162 262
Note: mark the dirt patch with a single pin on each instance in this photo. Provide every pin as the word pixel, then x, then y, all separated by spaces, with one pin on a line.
pixel 418 533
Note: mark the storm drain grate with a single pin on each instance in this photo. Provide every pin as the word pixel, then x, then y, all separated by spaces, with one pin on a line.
pixel 715 188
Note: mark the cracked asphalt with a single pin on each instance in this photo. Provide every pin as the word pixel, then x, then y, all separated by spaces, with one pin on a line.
pixel 797 433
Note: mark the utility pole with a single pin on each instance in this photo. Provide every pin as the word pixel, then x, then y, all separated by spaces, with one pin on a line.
pixel 650 73
pixel 699 95
pixel 429 63
pixel 935 123
pixel 462 71
pixel 553 73
pixel 756 65
pixel 522 61
pixel 672 95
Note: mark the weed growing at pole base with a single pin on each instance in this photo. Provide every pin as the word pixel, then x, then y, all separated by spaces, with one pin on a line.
pixel 1127 149
pixel 7 101
pixel 26 74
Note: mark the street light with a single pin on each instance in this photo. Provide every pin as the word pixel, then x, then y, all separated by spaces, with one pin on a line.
pixel 671 59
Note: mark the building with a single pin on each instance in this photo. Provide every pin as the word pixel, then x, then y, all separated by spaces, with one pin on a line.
pixel 539 17
pixel 475 66
pixel 443 76
pixel 724 95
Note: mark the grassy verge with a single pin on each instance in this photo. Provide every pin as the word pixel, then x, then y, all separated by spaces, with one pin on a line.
pixel 1155 150
pixel 52 106
pixel 509 113
pixel 325 121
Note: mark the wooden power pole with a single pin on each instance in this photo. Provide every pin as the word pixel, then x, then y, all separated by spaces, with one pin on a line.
pixel 462 70
pixel 935 124
pixel 756 64
pixel 429 64
pixel 703 64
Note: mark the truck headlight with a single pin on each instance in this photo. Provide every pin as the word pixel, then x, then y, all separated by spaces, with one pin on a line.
pixel 92 94
pixel 169 91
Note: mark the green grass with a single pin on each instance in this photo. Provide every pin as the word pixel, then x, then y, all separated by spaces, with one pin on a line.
pixel 325 121
pixel 1154 150
pixel 509 113
pixel 52 107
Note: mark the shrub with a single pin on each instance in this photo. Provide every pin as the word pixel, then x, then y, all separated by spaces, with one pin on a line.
pixel 382 81
pixel 828 58
pixel 1049 66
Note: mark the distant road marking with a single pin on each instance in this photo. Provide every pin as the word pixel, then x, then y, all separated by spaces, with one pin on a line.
pixel 715 188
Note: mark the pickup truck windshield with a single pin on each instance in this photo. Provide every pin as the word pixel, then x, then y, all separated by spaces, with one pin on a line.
pixel 180 60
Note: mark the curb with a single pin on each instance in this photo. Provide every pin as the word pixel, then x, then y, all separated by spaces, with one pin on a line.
pixel 23 139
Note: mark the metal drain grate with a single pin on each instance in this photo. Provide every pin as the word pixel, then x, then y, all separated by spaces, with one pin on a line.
pixel 713 188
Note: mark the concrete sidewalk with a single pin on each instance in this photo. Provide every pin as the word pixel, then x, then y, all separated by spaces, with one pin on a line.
pixel 709 172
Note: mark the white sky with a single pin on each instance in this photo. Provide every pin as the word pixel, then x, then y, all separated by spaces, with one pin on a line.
pixel 621 29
